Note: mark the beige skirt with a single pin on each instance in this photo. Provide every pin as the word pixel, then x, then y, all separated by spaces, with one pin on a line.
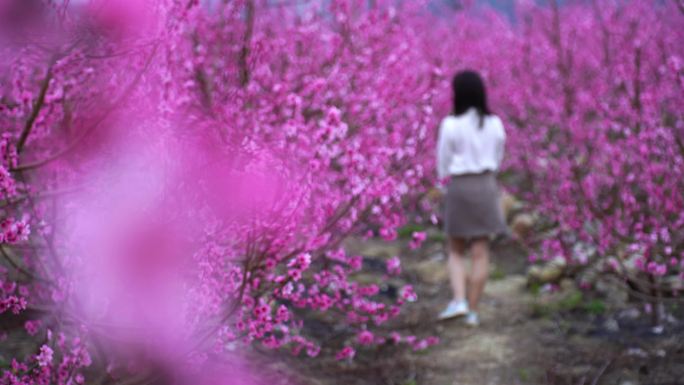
pixel 472 207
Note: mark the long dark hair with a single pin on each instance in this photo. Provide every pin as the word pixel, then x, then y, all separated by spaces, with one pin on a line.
pixel 469 92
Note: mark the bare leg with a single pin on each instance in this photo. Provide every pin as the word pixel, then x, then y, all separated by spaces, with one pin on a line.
pixel 457 271
pixel 479 273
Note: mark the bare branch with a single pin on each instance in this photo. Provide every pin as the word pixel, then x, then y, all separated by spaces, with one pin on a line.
pixel 600 373
pixel 680 5
pixel 37 105
pixel 99 121
pixel 246 42
pixel 8 257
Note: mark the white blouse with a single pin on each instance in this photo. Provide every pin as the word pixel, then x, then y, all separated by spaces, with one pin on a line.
pixel 464 148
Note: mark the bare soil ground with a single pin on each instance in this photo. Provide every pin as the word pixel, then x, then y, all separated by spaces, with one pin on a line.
pixel 555 338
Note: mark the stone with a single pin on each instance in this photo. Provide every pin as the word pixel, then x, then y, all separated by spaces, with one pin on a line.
pixel 553 270
pixel 533 273
pixel 637 352
pixel 670 318
pixel 567 284
pixel 614 294
pixel 550 272
pixel 611 325
pixel 629 314
pixel 522 225
pixel 509 204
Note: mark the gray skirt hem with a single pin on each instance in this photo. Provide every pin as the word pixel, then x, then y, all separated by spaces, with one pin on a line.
pixel 474 235
pixel 472 207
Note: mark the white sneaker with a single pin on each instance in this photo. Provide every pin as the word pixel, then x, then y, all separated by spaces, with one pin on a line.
pixel 454 309
pixel 472 319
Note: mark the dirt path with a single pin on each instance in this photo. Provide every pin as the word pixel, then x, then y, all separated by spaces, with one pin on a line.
pixel 484 355
pixel 505 349
pixel 523 339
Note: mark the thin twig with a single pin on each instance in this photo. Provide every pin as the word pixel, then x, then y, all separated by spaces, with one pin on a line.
pixel 601 372
pixel 680 5
pixel 641 295
pixel 99 121
pixel 37 106
pixel 21 269
pixel 246 42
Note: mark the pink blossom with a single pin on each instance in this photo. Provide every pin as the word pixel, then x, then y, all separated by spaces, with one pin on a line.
pixel 346 353
pixel 356 262
pixel 8 186
pixel 12 303
pixel 44 358
pixel 388 233
pixel 408 294
pixel 365 337
pixel 282 314
pixel 394 266
pixel 417 239
pixel 32 327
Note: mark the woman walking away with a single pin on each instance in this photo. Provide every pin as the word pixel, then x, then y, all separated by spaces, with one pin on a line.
pixel 469 151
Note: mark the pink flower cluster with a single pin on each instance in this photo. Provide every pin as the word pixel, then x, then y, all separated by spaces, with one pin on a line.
pixel 365 338
pixel 298 265
pixel 8 160
pixel 57 362
pixel 12 298
pixel 13 231
pixel 394 266
pixel 417 239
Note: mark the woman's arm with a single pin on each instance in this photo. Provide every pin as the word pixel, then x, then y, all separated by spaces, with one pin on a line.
pixel 501 144
pixel 443 152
